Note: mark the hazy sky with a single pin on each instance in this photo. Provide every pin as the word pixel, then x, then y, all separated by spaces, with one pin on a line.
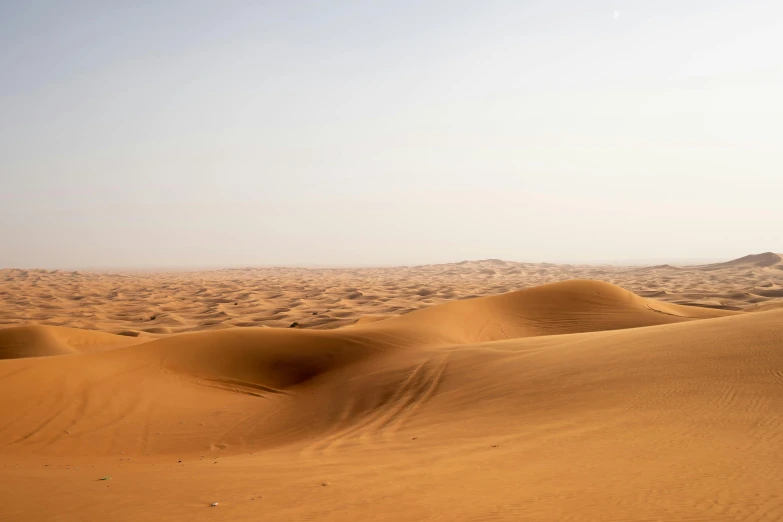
pixel 138 134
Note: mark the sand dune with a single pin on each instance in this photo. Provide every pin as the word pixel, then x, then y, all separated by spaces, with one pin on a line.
pixel 151 305
pixel 574 306
pixel 567 307
pixel 576 400
pixel 765 260
pixel 40 341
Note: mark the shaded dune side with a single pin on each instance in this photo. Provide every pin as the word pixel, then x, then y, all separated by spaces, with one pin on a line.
pixel 186 393
pixel 41 341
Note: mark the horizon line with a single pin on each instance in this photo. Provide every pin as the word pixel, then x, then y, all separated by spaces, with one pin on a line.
pixel 339 266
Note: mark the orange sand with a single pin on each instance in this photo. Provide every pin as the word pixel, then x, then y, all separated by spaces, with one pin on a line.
pixel 574 401
pixel 154 304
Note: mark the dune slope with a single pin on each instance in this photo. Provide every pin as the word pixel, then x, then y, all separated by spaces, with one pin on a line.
pixel 574 401
pixel 573 306
pixel 40 341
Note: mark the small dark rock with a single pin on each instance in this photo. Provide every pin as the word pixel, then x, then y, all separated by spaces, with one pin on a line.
pixel 294 325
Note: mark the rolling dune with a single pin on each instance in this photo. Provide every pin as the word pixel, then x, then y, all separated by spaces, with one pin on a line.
pixel 576 400
pixel 157 304
pixel 41 341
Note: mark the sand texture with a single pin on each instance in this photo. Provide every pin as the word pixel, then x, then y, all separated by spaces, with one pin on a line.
pixel 507 391
pixel 151 304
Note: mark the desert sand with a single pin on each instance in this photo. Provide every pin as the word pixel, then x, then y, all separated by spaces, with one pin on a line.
pixel 485 390
pixel 151 304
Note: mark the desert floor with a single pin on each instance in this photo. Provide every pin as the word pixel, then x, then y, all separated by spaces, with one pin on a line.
pixel 484 390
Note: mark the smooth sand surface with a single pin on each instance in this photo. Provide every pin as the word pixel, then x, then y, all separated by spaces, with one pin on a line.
pixel 577 400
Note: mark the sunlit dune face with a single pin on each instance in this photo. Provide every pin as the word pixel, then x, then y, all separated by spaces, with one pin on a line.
pixel 298 421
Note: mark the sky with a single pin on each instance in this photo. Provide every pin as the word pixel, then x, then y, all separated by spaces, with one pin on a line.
pixel 352 133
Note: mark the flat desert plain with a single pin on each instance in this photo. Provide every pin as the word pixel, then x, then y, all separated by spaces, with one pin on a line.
pixel 485 390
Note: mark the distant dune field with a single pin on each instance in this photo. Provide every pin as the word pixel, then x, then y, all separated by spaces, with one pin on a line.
pixel 155 304
pixel 475 391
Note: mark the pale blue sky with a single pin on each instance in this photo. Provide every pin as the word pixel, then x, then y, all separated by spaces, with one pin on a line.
pixel 155 134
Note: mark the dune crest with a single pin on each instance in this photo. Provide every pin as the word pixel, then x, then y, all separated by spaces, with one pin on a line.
pixel 573 306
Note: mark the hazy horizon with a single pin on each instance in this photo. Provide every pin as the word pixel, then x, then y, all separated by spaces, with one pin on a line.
pixel 619 262
pixel 300 134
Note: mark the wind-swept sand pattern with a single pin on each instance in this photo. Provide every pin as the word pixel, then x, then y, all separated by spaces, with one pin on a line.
pixel 154 304
pixel 578 400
